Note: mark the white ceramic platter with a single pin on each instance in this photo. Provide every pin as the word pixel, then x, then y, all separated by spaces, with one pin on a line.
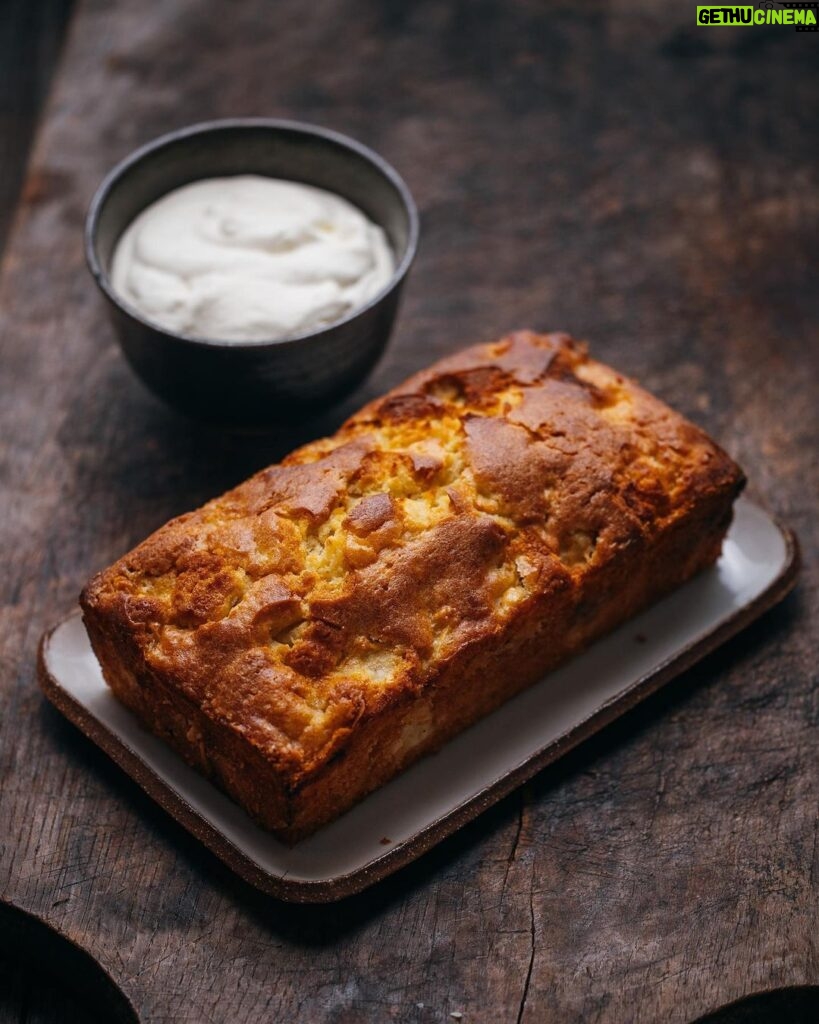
pixel 442 792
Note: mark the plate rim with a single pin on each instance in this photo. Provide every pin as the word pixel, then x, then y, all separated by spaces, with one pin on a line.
pixel 338 887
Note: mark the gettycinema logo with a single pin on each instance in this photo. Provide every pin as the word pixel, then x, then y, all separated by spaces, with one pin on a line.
pixel 801 16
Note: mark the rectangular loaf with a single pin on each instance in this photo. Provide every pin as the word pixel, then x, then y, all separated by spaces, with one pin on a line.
pixel 309 634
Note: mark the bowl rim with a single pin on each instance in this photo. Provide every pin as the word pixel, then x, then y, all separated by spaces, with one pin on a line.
pixel 329 135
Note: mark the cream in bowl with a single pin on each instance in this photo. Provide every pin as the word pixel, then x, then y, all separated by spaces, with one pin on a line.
pixel 252 267
pixel 250 258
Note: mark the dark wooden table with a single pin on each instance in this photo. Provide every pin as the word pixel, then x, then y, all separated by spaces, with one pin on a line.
pixel 606 168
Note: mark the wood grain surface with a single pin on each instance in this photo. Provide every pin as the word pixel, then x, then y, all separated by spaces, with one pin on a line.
pixel 606 168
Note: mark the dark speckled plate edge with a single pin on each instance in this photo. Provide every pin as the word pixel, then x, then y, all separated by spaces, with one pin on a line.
pixel 341 886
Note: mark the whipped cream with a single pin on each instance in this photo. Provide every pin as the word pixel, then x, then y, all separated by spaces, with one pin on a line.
pixel 249 258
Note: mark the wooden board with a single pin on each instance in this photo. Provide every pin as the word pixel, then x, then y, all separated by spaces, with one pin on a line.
pixel 612 170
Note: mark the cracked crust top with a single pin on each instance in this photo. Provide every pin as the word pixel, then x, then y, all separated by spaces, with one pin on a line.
pixel 324 588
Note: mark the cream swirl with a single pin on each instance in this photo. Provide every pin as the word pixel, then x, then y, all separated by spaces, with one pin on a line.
pixel 249 258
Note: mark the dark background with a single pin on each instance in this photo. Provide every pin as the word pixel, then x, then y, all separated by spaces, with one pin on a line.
pixel 31 35
pixel 602 167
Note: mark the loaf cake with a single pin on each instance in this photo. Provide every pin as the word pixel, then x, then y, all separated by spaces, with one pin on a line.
pixel 309 634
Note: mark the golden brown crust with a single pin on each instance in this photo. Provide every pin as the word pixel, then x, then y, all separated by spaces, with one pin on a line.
pixel 312 631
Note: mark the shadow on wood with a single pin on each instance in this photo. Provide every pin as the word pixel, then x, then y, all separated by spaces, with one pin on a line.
pixel 44 976
pixel 797 1004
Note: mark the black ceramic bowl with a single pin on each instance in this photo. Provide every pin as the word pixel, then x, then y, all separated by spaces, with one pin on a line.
pixel 253 382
